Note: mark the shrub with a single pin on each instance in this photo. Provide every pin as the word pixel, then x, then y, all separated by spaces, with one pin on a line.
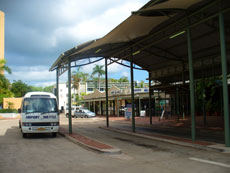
pixel 8 111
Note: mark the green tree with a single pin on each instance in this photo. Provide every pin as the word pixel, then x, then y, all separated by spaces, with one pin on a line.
pixel 3 66
pixel 142 83
pixel 84 77
pixel 123 79
pixel 4 82
pixel 113 80
pixel 76 79
pixel 19 88
pixel 4 93
pixel 48 89
pixel 35 88
pixel 98 69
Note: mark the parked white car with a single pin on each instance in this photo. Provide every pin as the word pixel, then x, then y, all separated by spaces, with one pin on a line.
pixel 84 113
pixel 73 109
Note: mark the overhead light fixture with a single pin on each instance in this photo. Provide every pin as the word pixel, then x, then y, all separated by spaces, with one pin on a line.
pixel 98 50
pixel 135 53
pixel 177 34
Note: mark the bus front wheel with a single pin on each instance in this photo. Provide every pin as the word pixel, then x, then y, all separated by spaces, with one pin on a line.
pixel 24 135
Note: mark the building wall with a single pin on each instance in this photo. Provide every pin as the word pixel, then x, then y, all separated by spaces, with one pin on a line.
pixel 63 95
pixel 17 102
pixel 2 36
pixel 84 87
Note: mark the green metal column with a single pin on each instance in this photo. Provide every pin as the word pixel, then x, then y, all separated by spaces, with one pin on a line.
pixel 101 109
pixel 191 84
pixel 187 102
pixel 183 93
pixel 57 88
pixel 106 94
pixel 225 84
pixel 159 108
pixel 132 93
pixel 139 104
pixel 177 103
pixel 203 105
pixel 174 104
pixel 150 101
pixel 69 97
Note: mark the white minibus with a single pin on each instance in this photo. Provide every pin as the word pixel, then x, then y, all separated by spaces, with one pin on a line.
pixel 39 114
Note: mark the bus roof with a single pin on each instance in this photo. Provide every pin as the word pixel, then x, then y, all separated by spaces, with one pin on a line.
pixel 39 94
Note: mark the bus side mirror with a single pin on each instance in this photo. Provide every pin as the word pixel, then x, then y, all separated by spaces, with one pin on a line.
pixel 19 110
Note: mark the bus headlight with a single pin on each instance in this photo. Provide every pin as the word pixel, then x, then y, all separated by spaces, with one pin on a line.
pixel 26 124
pixel 54 124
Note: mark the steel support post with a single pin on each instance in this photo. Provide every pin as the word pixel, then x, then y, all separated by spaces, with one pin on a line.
pixel 191 84
pixel 174 104
pixel 132 93
pixel 183 93
pixel 158 109
pixel 187 103
pixel 139 104
pixel 203 106
pixel 118 106
pixel 106 94
pixel 69 97
pixel 101 108
pixel 165 106
pixel 224 80
pixel 177 103
pixel 114 107
pixel 150 101
pixel 57 88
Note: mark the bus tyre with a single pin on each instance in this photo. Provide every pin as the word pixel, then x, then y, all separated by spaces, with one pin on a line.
pixel 54 134
pixel 24 135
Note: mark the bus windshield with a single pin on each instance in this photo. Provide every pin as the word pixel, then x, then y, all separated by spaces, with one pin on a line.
pixel 42 105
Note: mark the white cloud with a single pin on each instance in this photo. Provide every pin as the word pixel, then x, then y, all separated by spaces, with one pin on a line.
pixel 44 84
pixel 93 26
pixel 46 28
pixel 125 73
pixel 35 74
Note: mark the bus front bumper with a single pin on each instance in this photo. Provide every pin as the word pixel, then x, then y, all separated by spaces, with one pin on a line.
pixel 42 129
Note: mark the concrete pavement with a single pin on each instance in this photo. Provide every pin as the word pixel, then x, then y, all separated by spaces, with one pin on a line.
pixel 43 153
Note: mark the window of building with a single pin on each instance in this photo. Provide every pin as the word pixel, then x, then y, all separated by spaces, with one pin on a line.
pixel 89 89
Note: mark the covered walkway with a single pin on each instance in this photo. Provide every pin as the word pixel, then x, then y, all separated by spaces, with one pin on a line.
pixel 176 41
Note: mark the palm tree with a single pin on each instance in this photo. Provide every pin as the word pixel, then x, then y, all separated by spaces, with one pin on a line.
pixel 142 83
pixel 76 79
pixel 85 78
pixel 98 69
pixel 3 67
pixel 4 82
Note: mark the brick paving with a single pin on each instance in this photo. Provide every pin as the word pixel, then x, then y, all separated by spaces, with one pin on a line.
pixel 86 141
pixel 213 123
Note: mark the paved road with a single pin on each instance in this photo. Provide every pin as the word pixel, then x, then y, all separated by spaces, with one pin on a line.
pixel 42 153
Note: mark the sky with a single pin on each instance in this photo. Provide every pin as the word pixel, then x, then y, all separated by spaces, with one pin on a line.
pixel 38 31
